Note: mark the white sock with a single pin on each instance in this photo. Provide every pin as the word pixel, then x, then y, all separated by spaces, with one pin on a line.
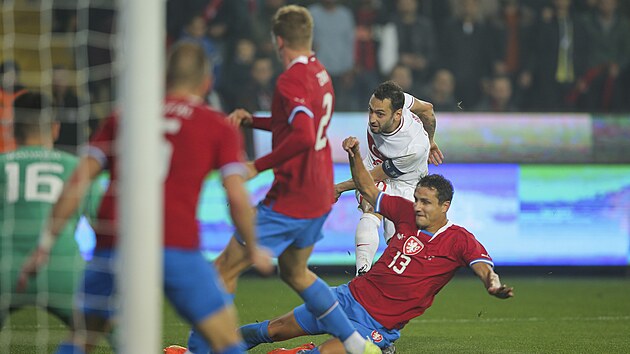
pixel 366 241
pixel 355 344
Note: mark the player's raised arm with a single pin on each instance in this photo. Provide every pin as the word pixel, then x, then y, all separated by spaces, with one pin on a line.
pixel 360 175
pixel 424 111
pixel 69 199
pixel 491 281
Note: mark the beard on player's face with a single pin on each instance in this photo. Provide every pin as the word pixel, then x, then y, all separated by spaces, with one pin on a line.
pixel 382 125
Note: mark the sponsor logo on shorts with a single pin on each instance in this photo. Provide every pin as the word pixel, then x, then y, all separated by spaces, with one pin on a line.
pixel 376 337
pixel 412 246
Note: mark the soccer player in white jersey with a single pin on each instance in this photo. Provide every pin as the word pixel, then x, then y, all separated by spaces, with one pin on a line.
pixel 400 138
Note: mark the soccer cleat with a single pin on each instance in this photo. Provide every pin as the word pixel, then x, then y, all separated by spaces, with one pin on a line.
pixel 371 348
pixel 297 350
pixel 175 349
pixel 389 350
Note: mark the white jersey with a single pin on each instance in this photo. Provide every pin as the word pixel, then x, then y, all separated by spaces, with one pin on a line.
pixel 404 153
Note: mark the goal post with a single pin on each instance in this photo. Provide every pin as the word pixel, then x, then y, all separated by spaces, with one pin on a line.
pixel 141 90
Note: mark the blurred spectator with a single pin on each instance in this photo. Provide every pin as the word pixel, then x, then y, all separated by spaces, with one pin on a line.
pixel 179 13
pixel 66 104
pixel 10 89
pixel 411 43
pixel 64 16
pixel 228 22
pixel 403 76
pixel 333 41
pixel 256 96
pixel 262 30
pixel 365 64
pixel 499 98
pixel 440 92
pixel 195 31
pixel 608 55
pixel 468 50
pixel 236 73
pixel 557 57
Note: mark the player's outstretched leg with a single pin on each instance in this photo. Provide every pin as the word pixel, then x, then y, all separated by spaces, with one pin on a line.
pixel 366 242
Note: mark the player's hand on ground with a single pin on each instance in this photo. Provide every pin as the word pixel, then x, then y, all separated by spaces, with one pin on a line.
pixel 240 117
pixel 435 154
pixel 351 145
pixel 31 266
pixel 251 170
pixel 261 260
pixel 502 292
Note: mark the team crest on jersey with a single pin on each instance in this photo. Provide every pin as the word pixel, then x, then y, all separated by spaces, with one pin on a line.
pixel 376 337
pixel 412 246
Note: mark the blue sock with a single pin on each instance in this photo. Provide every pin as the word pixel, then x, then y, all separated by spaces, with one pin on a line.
pixel 255 333
pixel 237 348
pixel 197 343
pixel 321 302
pixel 68 348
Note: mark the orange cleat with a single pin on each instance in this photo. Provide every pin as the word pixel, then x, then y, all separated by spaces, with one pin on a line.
pixel 298 350
pixel 175 349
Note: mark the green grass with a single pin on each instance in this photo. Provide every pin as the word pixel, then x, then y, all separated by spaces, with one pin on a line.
pixel 547 315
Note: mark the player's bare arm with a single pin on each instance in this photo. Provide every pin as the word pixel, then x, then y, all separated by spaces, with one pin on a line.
pixel 491 281
pixel 424 111
pixel 360 175
pixel 243 217
pixel 87 170
pixel 240 117
pixel 377 174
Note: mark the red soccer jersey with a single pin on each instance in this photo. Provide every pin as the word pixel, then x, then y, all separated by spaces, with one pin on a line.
pixel 199 141
pixel 102 148
pixel 414 267
pixel 303 185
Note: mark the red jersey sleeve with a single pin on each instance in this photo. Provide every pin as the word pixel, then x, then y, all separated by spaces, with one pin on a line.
pixel 294 96
pixel 101 145
pixel 397 209
pixel 230 152
pixel 472 251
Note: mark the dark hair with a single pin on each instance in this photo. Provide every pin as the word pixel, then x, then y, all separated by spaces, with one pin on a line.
pixel 392 91
pixel 32 114
pixel 443 186
pixel 9 65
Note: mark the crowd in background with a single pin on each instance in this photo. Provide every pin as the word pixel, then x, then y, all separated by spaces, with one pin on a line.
pixel 471 55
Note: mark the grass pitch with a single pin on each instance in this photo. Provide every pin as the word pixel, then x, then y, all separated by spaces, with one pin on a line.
pixel 547 315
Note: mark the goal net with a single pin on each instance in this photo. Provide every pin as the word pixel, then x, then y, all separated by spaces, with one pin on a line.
pixel 71 51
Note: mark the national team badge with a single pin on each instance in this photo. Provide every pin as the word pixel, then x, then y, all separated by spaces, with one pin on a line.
pixel 376 337
pixel 412 246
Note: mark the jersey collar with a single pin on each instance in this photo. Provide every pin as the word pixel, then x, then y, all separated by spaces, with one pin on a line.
pixel 442 229
pixel 301 59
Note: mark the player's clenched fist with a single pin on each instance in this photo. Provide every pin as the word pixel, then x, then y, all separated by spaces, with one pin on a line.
pixel 240 117
pixel 351 145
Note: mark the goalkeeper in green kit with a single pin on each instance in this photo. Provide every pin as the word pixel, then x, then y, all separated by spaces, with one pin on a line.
pixel 31 179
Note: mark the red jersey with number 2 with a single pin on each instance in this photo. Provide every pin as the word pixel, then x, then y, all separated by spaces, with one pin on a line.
pixel 414 267
pixel 303 185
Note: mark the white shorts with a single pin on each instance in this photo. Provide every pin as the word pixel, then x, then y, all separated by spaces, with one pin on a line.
pixel 395 188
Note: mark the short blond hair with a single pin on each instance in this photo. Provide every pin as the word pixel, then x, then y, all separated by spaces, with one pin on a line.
pixel 187 65
pixel 294 24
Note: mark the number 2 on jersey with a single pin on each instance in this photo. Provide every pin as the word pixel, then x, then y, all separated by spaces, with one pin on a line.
pixel 321 140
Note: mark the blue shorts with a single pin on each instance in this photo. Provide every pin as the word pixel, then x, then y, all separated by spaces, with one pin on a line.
pixel 192 285
pixel 277 232
pixel 96 292
pixel 364 323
